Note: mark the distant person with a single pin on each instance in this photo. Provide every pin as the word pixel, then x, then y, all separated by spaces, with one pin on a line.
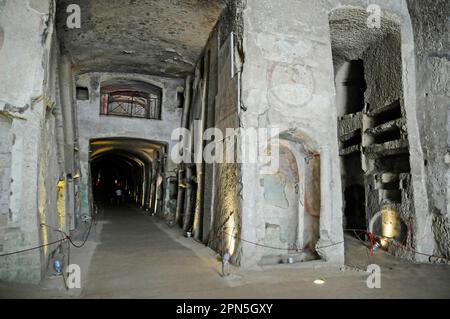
pixel 118 196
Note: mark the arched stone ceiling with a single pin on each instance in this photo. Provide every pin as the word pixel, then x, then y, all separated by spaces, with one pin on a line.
pixel 140 149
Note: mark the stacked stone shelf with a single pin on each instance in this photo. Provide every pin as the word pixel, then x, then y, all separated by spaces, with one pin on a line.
pixel 388 134
pixel 350 127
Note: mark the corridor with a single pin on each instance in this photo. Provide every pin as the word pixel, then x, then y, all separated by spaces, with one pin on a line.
pixel 139 256
pixel 137 259
pixel 130 254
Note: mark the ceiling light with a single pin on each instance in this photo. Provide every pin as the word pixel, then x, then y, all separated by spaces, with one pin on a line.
pixel 128 52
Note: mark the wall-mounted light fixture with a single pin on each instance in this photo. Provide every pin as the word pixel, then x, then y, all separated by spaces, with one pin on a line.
pixel 389 222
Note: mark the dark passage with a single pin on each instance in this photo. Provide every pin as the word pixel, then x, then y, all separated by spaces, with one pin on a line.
pixel 127 171
pixel 351 93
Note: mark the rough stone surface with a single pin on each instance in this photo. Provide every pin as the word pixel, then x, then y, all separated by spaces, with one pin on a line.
pixel 281 90
pixel 30 100
pixel 432 45
pixel 379 49
pixel 157 37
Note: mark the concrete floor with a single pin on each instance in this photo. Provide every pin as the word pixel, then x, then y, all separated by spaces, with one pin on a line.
pixel 132 255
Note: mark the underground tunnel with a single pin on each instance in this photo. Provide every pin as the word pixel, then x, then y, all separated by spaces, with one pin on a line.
pixel 356 110
pixel 125 170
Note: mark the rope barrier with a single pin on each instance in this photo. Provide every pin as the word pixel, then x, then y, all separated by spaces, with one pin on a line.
pixel 401 245
pixel 277 248
pixel 372 238
pixel 32 248
pixel 66 238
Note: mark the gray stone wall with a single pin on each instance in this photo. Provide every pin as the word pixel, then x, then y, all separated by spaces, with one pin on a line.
pixel 285 38
pixel 29 97
pixel 287 83
pixel 431 45
pixel 5 174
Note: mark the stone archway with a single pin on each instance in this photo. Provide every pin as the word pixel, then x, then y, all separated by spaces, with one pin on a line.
pixel 291 208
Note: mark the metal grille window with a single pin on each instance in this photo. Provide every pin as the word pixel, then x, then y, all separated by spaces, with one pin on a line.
pixel 131 103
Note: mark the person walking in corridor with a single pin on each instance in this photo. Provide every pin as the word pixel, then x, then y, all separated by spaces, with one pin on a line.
pixel 118 196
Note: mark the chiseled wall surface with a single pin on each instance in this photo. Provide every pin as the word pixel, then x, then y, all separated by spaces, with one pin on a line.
pixel 288 83
pixel 432 44
pixel 93 125
pixel 387 158
pixel 28 98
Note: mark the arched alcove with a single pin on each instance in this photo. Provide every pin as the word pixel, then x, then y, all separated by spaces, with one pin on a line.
pixel 292 200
